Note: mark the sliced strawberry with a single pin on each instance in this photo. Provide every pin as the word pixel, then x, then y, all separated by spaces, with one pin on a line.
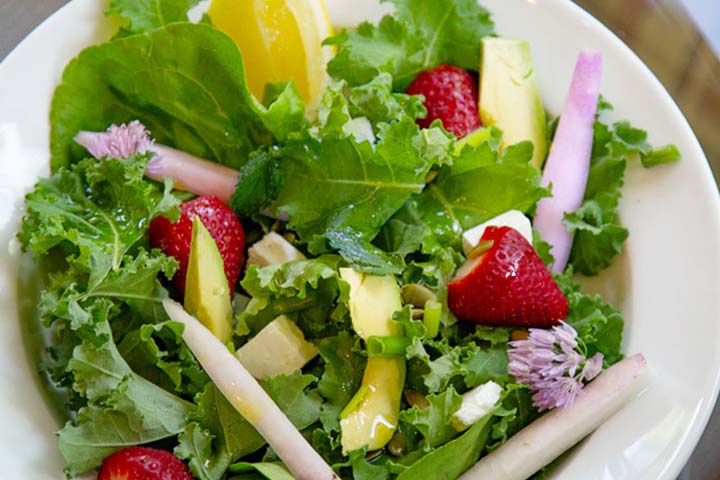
pixel 507 285
pixel 174 238
pixel 451 95
pixel 142 463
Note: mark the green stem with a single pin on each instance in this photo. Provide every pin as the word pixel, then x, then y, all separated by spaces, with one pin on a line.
pixel 431 318
pixel 387 346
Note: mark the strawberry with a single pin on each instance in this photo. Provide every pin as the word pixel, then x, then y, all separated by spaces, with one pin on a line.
pixel 174 238
pixel 142 463
pixel 451 94
pixel 506 285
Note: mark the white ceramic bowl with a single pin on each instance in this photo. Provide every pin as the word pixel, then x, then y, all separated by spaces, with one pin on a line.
pixel 667 284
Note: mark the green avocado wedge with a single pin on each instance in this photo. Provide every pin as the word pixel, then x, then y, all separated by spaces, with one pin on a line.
pixel 207 294
pixel 371 417
pixel 509 95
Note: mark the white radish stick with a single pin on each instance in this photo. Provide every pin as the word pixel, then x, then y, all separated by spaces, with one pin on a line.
pixel 568 162
pixel 546 438
pixel 248 397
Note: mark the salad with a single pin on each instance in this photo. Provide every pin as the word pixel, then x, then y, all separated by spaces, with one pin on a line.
pixel 366 275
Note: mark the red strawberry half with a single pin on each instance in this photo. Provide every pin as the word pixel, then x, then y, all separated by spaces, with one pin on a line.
pixel 174 238
pixel 451 95
pixel 507 285
pixel 142 463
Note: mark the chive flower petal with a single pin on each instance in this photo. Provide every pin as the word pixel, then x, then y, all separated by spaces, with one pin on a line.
pixel 552 364
pixel 118 141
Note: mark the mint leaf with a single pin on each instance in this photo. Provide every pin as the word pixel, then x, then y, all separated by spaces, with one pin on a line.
pixel 185 82
pixel 146 15
pixel 417 37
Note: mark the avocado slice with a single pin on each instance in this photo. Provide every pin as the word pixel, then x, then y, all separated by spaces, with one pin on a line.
pixel 372 415
pixel 207 294
pixel 509 94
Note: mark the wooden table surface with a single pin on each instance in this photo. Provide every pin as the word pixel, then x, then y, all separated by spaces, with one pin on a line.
pixel 659 31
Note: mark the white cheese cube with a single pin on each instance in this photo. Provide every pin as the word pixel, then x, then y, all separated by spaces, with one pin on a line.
pixel 512 218
pixel 278 348
pixel 272 249
pixel 360 128
pixel 475 405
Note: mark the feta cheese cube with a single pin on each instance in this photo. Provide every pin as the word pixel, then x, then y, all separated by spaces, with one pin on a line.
pixel 475 405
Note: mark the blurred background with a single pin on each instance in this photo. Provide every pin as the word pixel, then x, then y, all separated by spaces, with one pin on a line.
pixel 678 39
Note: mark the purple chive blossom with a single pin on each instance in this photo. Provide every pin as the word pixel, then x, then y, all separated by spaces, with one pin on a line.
pixel 118 141
pixel 551 363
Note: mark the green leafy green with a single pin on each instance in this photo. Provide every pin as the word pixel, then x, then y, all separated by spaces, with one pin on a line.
pixel 341 377
pixel 215 436
pixel 433 421
pixel 598 235
pixel 376 101
pixel 185 82
pixel 468 364
pixel 361 468
pixel 271 471
pixel 291 393
pixel 455 456
pixel 159 351
pixel 358 186
pixel 145 15
pixel 599 325
pixel 479 185
pixel 306 290
pixel 417 37
pixel 96 214
pixel 516 410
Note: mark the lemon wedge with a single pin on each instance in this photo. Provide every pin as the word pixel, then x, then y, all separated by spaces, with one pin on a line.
pixel 280 40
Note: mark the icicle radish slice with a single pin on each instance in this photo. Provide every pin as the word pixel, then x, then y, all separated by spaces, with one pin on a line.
pixel 568 163
pixel 248 397
pixel 546 438
pixel 191 173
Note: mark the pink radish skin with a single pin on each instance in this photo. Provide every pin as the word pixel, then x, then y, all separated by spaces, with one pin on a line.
pixel 548 437
pixel 191 173
pixel 248 397
pixel 568 162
